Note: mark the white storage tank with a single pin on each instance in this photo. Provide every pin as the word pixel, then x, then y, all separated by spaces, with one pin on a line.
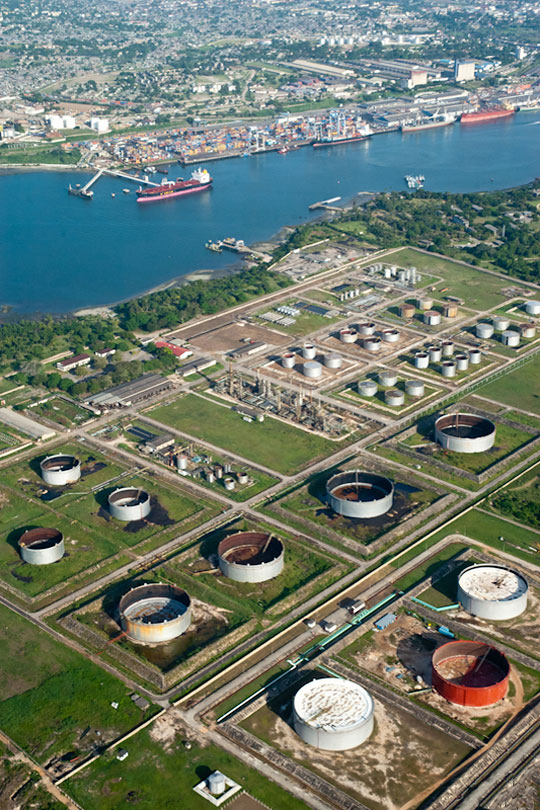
pixel 501 323
pixel 510 338
pixel 421 360
pixel 367 388
pixel 532 307
pixel 435 353
pixel 372 344
pixel 333 360
pixel 447 348
pixel 528 330
pixel 229 484
pixel 367 328
pixel 465 433
pixel 348 335
pixel 492 592
pixel 41 546
pixel 333 714
pixel 390 335
pixel 484 330
pixel 288 359
pixel 475 356
pixel 312 369
pixel 394 398
pixel 181 461
pixel 432 317
pixel 129 503
pixel 415 388
pixel 387 378
pixel 251 556
pixel 462 361
pixel 448 368
pixel 308 351
pixel 60 470
pixel 424 302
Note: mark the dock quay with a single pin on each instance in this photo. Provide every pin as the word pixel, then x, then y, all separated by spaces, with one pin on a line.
pixel 326 204
pixel 236 245
pixel 86 191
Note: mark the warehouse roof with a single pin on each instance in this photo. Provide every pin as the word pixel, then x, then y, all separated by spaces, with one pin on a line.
pixel 25 425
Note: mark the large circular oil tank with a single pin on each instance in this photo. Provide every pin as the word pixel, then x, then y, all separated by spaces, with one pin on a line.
pixel 155 613
pixel 464 433
pixel 333 714
pixel 60 469
pixel 251 556
pixel 470 673
pixel 492 592
pixel 41 546
pixel 358 494
pixel 129 503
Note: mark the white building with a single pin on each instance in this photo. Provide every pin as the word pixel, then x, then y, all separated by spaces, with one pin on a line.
pixel 464 71
pixel 99 125
pixel 54 121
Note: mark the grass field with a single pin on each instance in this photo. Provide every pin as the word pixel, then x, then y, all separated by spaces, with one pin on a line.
pixel 272 443
pixel 51 694
pixel 159 776
pixel 519 388
pixel 62 412
pixel 479 290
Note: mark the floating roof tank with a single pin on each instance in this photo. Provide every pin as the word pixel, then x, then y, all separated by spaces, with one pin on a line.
pixel 372 344
pixel 359 494
pixel 407 310
pixel 155 613
pixel 435 353
pixel 60 469
pixel 308 351
pixel 333 714
pixel 492 592
pixel 41 546
pixel 450 310
pixel 421 360
pixel 288 359
pixel 462 361
pixel 447 347
pixel 394 397
pixel 424 302
pixel 366 328
pixel 465 433
pixel 348 335
pixel 528 330
pixel 470 673
pixel 251 556
pixel 448 368
pixel 129 503
pixel 390 335
pixel 475 356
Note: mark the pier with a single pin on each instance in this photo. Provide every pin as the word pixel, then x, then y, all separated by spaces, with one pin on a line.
pixel 86 191
pixel 326 204
pixel 238 246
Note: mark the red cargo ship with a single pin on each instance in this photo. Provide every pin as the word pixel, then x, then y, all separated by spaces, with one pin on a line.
pixel 486 115
pixel 199 181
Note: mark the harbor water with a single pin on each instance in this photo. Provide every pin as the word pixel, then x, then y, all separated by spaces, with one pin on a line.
pixel 59 253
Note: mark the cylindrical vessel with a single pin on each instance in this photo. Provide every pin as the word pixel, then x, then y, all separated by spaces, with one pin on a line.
pixel 484 330
pixel 532 307
pixel 372 344
pixel 407 311
pixel 155 613
pixel 394 398
pixel 510 338
pixel 218 471
pixel 475 356
pixel 60 469
pixel 470 673
pixel 450 310
pixel 447 347
pixel 366 328
pixel 251 556
pixel 501 323
pixel 367 388
pixel 348 335
pixel 462 361
pixel 435 353
pixel 424 302
pixel 359 494
pixel 332 360
pixel 414 388
pixel 229 484
pixel 288 359
pixel 387 378
pixel 528 330
pixel 129 503
pixel 333 714
pixel 243 477
pixel 464 433
pixel 390 335
pixel 210 476
pixel 312 369
pixel 308 351
pixel 421 360
pixel 181 462
pixel 448 368
pixel 492 592
pixel 41 546
pixel 432 317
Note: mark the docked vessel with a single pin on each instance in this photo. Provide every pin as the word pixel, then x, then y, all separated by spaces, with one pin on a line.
pixel 486 115
pixel 429 123
pixel 415 181
pixel 199 181
pixel 335 141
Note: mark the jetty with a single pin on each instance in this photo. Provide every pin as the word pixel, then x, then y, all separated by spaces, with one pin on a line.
pixel 86 191
pixel 326 204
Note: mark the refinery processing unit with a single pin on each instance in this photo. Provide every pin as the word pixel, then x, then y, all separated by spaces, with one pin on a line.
pixel 310 542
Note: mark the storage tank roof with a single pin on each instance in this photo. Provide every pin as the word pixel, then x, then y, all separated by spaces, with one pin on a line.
pixel 492 583
pixel 332 704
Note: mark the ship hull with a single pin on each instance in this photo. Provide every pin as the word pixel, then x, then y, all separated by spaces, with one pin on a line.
pixel 319 144
pixel 179 193
pixel 482 118
pixel 421 127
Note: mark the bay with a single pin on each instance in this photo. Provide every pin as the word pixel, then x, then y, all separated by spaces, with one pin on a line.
pixel 59 253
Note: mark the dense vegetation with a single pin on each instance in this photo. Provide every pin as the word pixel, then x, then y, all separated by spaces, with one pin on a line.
pixel 523 506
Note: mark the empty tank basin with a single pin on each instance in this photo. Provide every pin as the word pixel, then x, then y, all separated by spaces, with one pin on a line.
pixel 60 470
pixel 129 503
pixel 390 335
pixel 464 433
pixel 348 335
pixel 41 546
pixel 484 330
pixel 251 556
pixel 367 328
pixel 332 360
pixel 358 494
pixel 394 398
pixel 155 613
pixel 367 388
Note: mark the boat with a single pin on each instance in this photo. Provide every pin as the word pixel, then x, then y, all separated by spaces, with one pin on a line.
pixel 487 115
pixel 282 151
pixel 332 141
pixel 415 181
pixel 199 181
pixel 113 194
pixel 429 123
pixel 126 190
pixel 162 170
pixel 214 246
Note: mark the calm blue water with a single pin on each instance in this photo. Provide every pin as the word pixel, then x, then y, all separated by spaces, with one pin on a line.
pixel 58 253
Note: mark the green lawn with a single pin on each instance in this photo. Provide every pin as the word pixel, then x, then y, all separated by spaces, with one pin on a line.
pixel 519 388
pixel 51 694
pixel 272 443
pixel 158 776
pixel 62 412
